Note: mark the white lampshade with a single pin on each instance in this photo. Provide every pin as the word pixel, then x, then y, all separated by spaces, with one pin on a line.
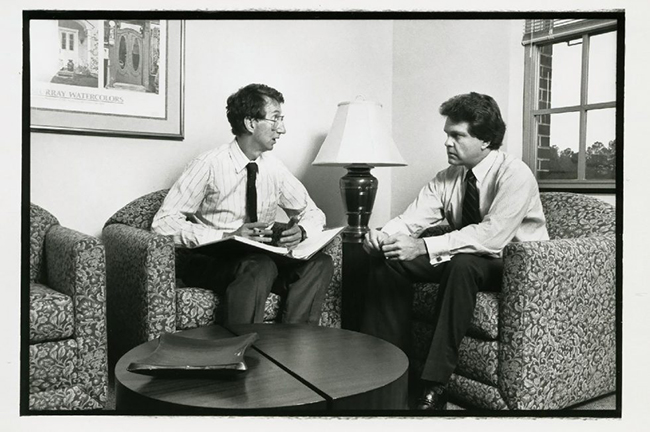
pixel 359 136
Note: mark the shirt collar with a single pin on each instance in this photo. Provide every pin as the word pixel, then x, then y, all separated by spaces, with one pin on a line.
pixel 239 159
pixel 482 168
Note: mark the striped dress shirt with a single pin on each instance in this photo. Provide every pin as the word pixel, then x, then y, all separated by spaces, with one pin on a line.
pixel 509 203
pixel 209 198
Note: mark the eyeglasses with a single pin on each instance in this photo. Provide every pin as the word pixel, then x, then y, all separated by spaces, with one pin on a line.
pixel 276 120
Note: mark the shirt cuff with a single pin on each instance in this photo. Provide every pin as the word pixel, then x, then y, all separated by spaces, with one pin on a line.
pixel 438 248
pixel 204 236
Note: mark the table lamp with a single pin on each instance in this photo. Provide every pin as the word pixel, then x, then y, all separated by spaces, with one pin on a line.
pixel 358 140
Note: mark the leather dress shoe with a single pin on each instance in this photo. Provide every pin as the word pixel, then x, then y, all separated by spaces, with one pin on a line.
pixel 434 397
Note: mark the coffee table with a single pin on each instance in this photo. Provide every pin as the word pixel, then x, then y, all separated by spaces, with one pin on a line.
pixel 291 367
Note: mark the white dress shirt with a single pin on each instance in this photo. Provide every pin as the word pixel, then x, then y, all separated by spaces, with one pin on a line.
pixel 509 205
pixel 209 198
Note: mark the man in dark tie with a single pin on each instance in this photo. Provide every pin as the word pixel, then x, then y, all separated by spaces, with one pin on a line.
pixel 236 189
pixel 489 199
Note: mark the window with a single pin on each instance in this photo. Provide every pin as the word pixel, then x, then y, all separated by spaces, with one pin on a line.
pixel 570 102
pixel 67 39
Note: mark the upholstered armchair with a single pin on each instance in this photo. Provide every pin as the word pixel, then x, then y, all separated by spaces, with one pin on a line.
pixel 67 317
pixel 547 340
pixel 146 299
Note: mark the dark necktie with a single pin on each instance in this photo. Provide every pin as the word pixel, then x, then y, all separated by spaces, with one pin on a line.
pixel 471 213
pixel 251 192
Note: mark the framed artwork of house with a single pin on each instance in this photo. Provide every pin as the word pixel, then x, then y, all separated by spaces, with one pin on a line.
pixel 107 77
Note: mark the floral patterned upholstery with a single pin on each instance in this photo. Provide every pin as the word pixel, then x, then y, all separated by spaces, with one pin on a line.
pixel 67 317
pixel 51 314
pixel 547 340
pixel 146 298
pixel 570 215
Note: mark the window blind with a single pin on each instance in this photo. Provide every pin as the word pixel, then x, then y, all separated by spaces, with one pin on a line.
pixel 545 30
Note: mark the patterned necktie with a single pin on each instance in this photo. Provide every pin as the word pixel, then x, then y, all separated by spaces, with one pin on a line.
pixel 251 192
pixel 471 213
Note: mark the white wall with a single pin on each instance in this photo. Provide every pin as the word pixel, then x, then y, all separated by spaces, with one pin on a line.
pixel 435 60
pixel 315 64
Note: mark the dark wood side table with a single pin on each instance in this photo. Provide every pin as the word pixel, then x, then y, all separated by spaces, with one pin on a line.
pixel 292 367
pixel 356 264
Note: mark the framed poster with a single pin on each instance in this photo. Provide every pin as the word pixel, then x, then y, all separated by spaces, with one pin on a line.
pixel 107 77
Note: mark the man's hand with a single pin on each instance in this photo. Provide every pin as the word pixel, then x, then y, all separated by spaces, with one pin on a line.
pixel 373 241
pixel 402 247
pixel 291 236
pixel 258 231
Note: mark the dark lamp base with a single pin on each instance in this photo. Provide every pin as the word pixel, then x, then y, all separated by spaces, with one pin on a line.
pixel 358 190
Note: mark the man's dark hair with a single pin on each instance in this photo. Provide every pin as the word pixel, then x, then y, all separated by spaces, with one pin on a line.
pixel 482 114
pixel 249 101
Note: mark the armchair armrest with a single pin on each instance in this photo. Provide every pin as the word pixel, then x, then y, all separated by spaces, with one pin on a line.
pixel 141 286
pixel 75 263
pixel 76 266
pixel 558 322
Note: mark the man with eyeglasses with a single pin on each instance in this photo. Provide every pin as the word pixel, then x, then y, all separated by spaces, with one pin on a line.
pixel 236 189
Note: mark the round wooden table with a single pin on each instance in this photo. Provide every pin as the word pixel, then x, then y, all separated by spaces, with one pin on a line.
pixel 290 368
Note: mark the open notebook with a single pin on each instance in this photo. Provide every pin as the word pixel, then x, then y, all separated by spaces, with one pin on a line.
pixel 303 251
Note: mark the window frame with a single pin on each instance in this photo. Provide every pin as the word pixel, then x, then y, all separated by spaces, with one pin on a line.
pixel 533 44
